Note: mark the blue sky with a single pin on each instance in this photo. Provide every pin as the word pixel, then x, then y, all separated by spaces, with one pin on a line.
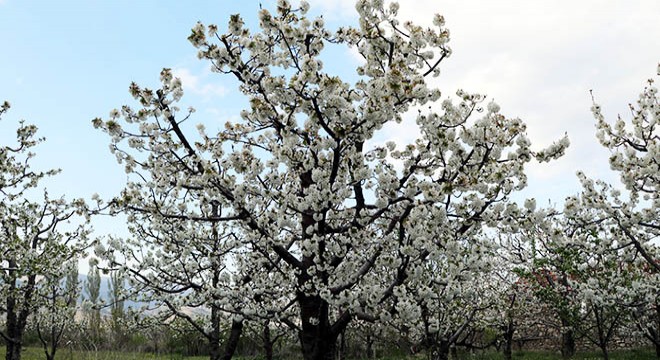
pixel 63 63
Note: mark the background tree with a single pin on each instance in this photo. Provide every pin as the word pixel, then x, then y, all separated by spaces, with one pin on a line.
pixel 36 236
pixel 92 289
pixel 298 176
pixel 549 262
pixel 448 301
pixel 635 145
pixel 116 302
pixel 182 266
pixel 268 334
pixel 56 317
pixel 516 311
pixel 604 286
pixel 620 226
pixel 605 302
pixel 646 313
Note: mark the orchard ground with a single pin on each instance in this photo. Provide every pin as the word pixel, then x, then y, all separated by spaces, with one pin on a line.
pixel 35 353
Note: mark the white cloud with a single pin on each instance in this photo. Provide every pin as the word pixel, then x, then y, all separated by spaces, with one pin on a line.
pixel 538 60
pixel 196 84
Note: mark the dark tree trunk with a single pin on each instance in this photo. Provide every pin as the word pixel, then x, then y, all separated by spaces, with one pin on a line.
pixel 604 334
pixel 606 355
pixel 232 341
pixel 440 350
pixel 317 340
pixel 16 320
pixel 342 346
pixel 317 335
pixel 567 343
pixel 508 340
pixel 52 341
pixel 268 342
pixel 14 337
pixel 370 347
pixel 214 349
pixel 50 353
pixel 13 350
pixel 655 332
pixel 214 336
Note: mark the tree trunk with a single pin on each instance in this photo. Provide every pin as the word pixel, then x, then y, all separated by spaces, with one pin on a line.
pixel 232 341
pixel 316 338
pixel 606 355
pixel 14 325
pixel 342 346
pixel 50 355
pixel 440 350
pixel 603 336
pixel 268 343
pixel 454 352
pixel 15 328
pixel 214 336
pixel 657 327
pixel 13 350
pixel 370 347
pixel 14 340
pixel 508 340
pixel 567 344
pixel 214 349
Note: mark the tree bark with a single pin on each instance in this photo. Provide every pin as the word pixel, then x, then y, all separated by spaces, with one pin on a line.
pixel 606 355
pixel 655 333
pixel 370 347
pixel 342 346
pixel 603 334
pixel 214 336
pixel 13 350
pixel 508 340
pixel 317 340
pixel 15 319
pixel 440 350
pixel 232 341
pixel 567 342
pixel 52 349
pixel 14 336
pixel 268 343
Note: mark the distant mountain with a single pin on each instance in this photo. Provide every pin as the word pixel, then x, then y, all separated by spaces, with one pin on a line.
pixel 104 292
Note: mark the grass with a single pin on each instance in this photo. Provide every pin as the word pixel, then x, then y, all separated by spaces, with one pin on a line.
pixel 635 354
pixel 35 353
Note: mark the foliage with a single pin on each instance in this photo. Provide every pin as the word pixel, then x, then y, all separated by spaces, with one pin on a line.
pixel 298 186
pixel 300 222
pixel 92 302
pixel 56 318
pixel 37 237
